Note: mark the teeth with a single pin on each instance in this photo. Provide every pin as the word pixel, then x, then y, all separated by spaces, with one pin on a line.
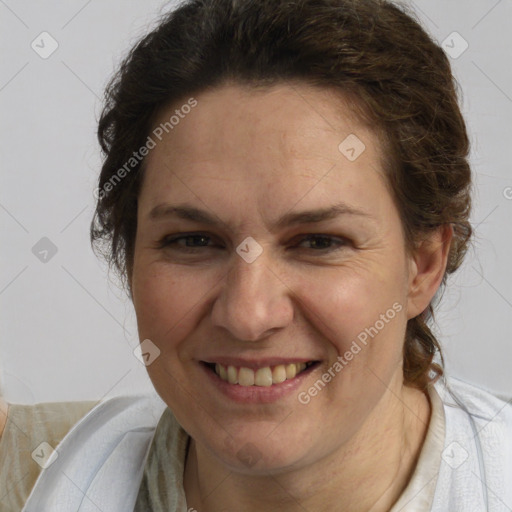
pixel 232 374
pixel 278 374
pixel 291 370
pixel 262 376
pixel 246 377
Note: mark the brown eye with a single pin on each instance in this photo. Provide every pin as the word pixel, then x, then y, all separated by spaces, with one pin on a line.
pixel 186 242
pixel 324 242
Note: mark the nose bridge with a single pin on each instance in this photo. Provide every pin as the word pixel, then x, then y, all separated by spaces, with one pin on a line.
pixel 252 300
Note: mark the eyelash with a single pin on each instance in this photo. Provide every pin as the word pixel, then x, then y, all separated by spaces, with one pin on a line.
pixel 167 242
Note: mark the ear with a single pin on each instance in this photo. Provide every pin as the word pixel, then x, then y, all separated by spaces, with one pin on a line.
pixel 427 267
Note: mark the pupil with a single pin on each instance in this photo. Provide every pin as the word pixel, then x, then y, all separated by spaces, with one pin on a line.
pixel 197 237
pixel 316 243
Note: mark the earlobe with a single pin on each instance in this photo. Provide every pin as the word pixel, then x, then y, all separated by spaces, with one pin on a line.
pixel 427 269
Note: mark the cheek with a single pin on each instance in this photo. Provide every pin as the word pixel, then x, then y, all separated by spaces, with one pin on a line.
pixel 362 318
pixel 167 300
pixel 168 304
pixel 361 315
pixel 344 303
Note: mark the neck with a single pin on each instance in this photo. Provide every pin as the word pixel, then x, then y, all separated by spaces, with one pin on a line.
pixel 366 475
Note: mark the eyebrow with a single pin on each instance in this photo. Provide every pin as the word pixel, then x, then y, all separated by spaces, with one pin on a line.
pixel 187 212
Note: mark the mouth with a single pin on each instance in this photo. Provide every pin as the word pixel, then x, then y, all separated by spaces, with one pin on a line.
pixel 265 376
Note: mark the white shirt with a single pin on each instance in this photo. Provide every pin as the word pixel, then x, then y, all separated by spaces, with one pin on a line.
pixel 465 464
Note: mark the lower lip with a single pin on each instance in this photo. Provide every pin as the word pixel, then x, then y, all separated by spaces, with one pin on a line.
pixel 257 394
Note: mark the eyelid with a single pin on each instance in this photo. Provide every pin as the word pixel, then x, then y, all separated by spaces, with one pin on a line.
pixel 339 241
pixel 166 240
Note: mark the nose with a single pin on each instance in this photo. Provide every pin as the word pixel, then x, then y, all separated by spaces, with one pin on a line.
pixel 253 300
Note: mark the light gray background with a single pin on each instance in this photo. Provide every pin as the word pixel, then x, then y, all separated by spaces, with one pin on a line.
pixel 66 332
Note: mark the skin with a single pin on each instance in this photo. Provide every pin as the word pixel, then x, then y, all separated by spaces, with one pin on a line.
pixel 248 157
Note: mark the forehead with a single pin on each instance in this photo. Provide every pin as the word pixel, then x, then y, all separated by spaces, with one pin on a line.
pixel 284 118
pixel 287 137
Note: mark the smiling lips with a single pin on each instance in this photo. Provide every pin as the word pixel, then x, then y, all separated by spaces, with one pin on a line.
pixel 266 376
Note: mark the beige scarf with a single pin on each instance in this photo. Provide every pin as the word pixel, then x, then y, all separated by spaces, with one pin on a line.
pixel 161 489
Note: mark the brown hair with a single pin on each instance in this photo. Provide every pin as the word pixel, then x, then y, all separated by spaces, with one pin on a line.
pixel 372 49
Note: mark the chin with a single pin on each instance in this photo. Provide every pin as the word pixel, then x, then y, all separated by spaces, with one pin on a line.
pixel 252 452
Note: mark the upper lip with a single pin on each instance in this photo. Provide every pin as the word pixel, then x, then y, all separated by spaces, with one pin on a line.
pixel 256 363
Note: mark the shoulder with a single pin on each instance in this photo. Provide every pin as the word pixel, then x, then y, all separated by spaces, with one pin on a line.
pixel 30 432
pixel 104 452
pixel 477 454
pixel 50 419
pixel 477 401
pixel 129 412
pixel 481 412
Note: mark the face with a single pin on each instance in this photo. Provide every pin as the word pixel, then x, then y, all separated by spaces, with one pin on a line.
pixel 229 271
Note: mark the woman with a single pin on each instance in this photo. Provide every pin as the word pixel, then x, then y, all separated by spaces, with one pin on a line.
pixel 285 188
